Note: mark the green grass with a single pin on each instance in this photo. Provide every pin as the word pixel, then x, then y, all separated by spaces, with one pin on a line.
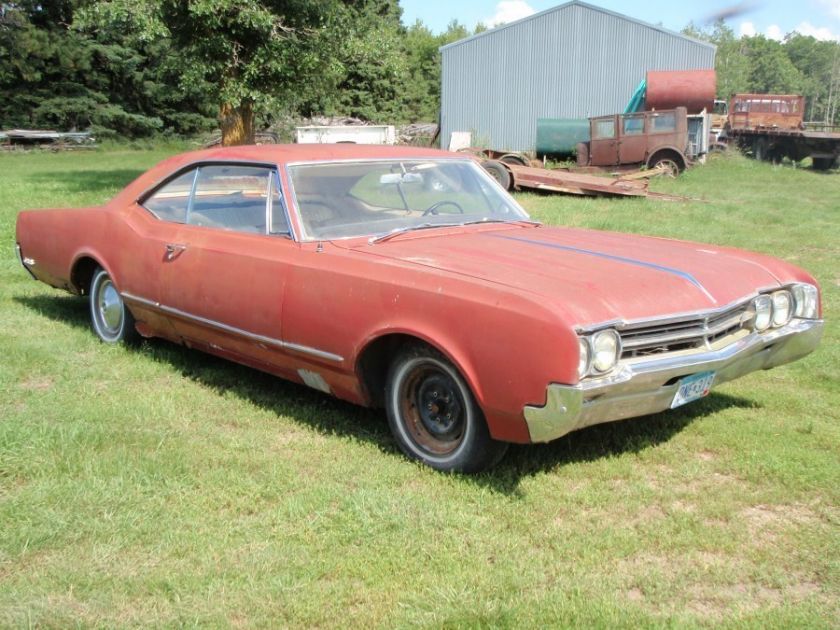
pixel 158 486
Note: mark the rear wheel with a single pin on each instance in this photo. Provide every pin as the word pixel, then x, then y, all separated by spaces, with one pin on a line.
pixel 433 415
pixel 823 164
pixel 668 162
pixel 111 320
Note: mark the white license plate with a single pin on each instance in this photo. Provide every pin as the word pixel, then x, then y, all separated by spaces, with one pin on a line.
pixel 693 387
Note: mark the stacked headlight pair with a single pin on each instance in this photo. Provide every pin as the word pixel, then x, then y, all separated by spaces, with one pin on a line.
pixel 773 310
pixel 599 352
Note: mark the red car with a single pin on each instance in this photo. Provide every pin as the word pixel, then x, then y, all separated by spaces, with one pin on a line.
pixel 407 278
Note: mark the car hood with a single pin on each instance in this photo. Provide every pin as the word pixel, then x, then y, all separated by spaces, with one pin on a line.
pixel 592 276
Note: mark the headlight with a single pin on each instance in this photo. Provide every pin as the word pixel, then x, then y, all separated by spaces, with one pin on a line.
pixel 605 346
pixel 763 312
pixel 782 308
pixel 583 363
pixel 805 301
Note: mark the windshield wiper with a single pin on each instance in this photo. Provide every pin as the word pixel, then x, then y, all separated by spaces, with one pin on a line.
pixel 407 228
pixel 513 221
pixel 425 226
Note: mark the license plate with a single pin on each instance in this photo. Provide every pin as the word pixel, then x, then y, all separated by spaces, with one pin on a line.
pixel 693 387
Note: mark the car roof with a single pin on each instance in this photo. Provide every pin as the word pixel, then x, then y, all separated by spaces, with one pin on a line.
pixel 279 154
pixel 285 153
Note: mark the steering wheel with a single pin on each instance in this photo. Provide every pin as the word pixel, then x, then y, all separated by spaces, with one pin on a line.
pixel 433 209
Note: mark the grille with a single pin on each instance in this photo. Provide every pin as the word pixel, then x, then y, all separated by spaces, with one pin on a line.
pixel 642 340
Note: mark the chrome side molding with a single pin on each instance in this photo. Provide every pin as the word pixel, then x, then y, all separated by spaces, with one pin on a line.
pixel 271 341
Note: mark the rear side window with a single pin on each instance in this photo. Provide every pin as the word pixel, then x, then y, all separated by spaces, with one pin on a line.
pixel 231 198
pixel 663 122
pixel 170 203
pixel 633 125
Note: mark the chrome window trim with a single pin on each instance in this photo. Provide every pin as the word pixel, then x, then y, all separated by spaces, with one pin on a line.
pixel 289 233
pixel 279 343
pixel 191 199
pixel 197 165
pixel 148 192
pixel 305 238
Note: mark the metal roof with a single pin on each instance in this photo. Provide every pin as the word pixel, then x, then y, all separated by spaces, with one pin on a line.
pixel 586 5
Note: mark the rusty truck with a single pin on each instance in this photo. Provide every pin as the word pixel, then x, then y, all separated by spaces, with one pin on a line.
pixel 772 127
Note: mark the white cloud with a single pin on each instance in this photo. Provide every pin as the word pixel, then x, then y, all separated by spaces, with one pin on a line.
pixel 509 11
pixel 774 32
pixel 832 6
pixel 817 32
pixel 746 28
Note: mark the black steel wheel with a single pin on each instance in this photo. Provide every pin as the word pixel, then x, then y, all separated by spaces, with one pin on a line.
pixel 111 320
pixel 433 415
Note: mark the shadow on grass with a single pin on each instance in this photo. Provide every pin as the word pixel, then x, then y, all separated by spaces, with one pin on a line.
pixel 331 416
pixel 88 181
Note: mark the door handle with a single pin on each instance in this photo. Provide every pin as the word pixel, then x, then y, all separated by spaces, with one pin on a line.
pixel 173 250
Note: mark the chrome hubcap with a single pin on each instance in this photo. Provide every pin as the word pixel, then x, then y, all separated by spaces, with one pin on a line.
pixel 110 307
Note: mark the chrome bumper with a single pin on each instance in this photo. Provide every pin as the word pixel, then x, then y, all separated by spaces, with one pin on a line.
pixel 642 387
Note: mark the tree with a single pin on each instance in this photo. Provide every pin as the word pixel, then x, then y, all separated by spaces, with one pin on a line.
pixel 256 54
pixel 732 67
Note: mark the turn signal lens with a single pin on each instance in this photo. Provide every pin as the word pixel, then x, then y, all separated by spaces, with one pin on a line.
pixel 583 362
pixel 805 301
pixel 605 346
pixel 763 305
pixel 782 308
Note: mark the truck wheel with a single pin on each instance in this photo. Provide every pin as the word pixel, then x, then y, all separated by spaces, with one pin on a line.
pixel 433 414
pixel 499 172
pixel 760 149
pixel 823 164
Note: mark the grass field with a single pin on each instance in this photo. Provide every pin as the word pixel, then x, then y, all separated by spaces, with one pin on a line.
pixel 158 486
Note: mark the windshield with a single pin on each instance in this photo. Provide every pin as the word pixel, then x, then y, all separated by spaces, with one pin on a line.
pixel 339 200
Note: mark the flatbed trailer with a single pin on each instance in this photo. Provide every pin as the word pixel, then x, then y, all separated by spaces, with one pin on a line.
pixel 771 127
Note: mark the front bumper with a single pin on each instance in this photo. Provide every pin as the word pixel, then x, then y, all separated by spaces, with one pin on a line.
pixel 647 386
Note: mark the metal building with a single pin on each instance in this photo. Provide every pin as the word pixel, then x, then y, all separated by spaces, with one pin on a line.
pixel 573 61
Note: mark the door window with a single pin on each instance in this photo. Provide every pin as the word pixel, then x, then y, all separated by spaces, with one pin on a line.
pixel 170 202
pixel 605 129
pixel 231 198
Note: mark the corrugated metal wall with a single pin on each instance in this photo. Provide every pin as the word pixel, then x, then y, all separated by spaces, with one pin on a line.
pixel 573 61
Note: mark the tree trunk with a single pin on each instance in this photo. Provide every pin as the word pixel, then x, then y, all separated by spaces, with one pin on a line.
pixel 237 123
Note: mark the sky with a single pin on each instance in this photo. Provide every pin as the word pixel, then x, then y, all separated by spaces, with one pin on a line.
pixel 772 18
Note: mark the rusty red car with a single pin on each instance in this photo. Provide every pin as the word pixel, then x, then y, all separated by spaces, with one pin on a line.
pixel 407 278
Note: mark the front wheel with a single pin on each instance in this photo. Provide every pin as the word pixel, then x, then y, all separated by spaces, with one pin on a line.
pixel 111 320
pixel 434 417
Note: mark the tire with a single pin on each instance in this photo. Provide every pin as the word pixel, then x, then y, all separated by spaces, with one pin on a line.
pixel 823 164
pixel 760 149
pixel 110 319
pixel 433 415
pixel 514 160
pixel 499 172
